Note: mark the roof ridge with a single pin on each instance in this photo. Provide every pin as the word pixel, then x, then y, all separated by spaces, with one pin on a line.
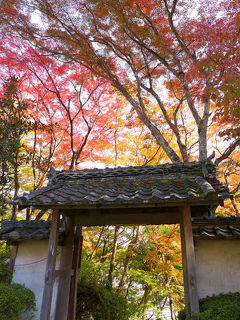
pixel 195 168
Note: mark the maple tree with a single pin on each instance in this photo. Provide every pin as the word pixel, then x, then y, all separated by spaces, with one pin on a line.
pixel 151 53
pixel 72 105
pixel 70 111
pixel 87 69
pixel 221 57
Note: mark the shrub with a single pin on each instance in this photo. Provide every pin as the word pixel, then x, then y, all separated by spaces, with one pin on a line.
pixel 15 299
pixel 5 272
pixel 97 302
pixel 222 307
pixel 5 250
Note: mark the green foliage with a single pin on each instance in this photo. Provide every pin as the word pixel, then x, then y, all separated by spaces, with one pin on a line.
pixel 222 307
pixel 5 250
pixel 15 299
pixel 96 301
pixel 181 315
pixel 154 269
pixel 5 272
pixel 13 125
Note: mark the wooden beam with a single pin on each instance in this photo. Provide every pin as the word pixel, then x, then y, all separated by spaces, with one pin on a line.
pixel 188 260
pixel 66 267
pixel 120 210
pixel 162 204
pixel 40 214
pixel 77 253
pixel 50 267
pixel 126 219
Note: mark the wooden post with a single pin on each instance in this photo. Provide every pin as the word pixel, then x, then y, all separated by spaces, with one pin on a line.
pixel 66 268
pixel 188 260
pixel 77 253
pixel 50 267
pixel 185 275
pixel 13 257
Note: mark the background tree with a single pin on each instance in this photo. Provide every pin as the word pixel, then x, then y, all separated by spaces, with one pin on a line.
pixel 14 124
pixel 147 268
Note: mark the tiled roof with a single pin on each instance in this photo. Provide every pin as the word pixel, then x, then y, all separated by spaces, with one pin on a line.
pixel 130 185
pixel 26 230
pixel 216 228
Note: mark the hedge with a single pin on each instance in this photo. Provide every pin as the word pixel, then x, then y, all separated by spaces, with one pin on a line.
pixel 222 307
pixel 15 300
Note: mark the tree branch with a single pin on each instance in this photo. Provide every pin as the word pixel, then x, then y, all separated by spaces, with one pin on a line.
pixel 228 151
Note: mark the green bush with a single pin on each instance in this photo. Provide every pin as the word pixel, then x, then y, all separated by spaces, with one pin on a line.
pixel 15 299
pixel 5 272
pixel 97 302
pixel 222 307
pixel 5 250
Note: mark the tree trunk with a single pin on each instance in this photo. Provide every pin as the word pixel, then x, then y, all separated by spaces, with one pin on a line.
pixel 16 185
pixel 171 308
pixel 97 244
pixel 128 258
pixel 235 207
pixel 144 300
pixel 202 130
pixel 112 262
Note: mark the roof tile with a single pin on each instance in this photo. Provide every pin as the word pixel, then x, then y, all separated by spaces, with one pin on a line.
pixel 146 184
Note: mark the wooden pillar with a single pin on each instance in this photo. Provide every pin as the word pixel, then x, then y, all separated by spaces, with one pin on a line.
pixel 66 271
pixel 188 260
pixel 77 254
pixel 13 257
pixel 50 267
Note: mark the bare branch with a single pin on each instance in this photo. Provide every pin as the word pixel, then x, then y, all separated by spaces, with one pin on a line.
pixel 228 151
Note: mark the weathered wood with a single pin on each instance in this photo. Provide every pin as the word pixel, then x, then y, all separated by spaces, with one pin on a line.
pixel 189 266
pixel 77 253
pixel 185 274
pixel 122 211
pixel 28 214
pixel 58 273
pixel 65 266
pixel 170 203
pixel 50 267
pixel 13 257
pixel 40 214
pixel 127 219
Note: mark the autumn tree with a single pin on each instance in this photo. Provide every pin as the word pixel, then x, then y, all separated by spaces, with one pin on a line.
pixel 147 268
pixel 150 51
pixel 71 110
pixel 70 101
pixel 221 58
